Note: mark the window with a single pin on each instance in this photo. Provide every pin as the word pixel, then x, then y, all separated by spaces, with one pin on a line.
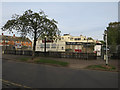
pixel 41 45
pixel 28 42
pixel 38 41
pixel 71 38
pixel 47 45
pixel 62 48
pixel 6 41
pixel 76 38
pixel 53 46
pixel 70 46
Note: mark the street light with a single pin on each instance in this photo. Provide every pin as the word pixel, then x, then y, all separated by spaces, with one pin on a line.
pixel 45 44
pixel 87 48
pixel 6 41
pixel 106 56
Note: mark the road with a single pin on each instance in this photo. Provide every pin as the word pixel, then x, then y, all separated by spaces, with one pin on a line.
pixel 44 76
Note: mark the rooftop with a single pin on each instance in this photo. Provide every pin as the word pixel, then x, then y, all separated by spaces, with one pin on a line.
pixel 13 38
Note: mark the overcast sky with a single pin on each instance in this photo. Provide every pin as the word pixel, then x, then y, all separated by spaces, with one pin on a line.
pixel 87 18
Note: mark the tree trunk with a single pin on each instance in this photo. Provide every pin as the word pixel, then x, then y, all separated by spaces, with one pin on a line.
pixel 34 44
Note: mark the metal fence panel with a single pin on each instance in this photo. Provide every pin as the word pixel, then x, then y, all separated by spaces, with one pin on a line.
pixel 54 54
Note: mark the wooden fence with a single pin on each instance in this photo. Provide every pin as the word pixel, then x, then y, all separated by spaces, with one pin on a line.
pixel 82 56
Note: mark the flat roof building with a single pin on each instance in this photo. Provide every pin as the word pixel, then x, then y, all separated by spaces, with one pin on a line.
pixel 67 43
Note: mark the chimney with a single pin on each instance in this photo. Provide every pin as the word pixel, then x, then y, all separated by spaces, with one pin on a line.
pixel 2 34
pixel 13 35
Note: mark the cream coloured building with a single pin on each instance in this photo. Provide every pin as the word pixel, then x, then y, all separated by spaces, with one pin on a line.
pixel 51 46
pixel 66 43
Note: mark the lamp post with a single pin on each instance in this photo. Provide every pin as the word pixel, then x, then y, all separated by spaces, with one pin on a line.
pixel 106 56
pixel 45 45
pixel 87 48
pixel 13 40
pixel 6 41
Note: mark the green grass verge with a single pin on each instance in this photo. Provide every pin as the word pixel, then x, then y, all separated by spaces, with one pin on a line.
pixel 101 67
pixel 53 62
pixel 24 58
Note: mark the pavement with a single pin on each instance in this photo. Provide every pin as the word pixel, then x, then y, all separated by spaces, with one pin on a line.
pixel 73 63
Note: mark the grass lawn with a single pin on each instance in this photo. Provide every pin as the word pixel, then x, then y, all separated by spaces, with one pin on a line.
pixel 43 61
pixel 50 61
pixel 24 58
pixel 101 67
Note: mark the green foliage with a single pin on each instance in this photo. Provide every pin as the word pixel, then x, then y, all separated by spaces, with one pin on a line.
pixel 31 23
pixel 101 67
pixel 24 58
pixel 49 61
pixel 34 25
pixel 103 42
pixel 89 38
pixel 113 32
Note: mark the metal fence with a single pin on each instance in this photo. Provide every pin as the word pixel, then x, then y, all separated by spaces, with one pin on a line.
pixel 82 56
pixel 113 51
pixel 18 52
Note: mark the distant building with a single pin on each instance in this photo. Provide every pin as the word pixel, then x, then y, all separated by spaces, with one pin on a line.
pixel 13 42
pixel 98 49
pixel 68 43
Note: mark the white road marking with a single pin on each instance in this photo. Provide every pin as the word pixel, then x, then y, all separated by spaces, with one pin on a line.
pixel 8 82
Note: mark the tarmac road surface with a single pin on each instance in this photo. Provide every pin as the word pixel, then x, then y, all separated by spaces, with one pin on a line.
pixel 44 76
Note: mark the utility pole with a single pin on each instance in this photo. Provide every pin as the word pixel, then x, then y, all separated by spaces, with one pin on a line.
pixel 106 56
pixel 106 51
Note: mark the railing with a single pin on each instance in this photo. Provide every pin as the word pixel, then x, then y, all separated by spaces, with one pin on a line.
pixel 115 56
pixel 18 52
pixel 54 54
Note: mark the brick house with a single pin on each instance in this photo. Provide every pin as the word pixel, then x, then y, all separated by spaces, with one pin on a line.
pixel 10 42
